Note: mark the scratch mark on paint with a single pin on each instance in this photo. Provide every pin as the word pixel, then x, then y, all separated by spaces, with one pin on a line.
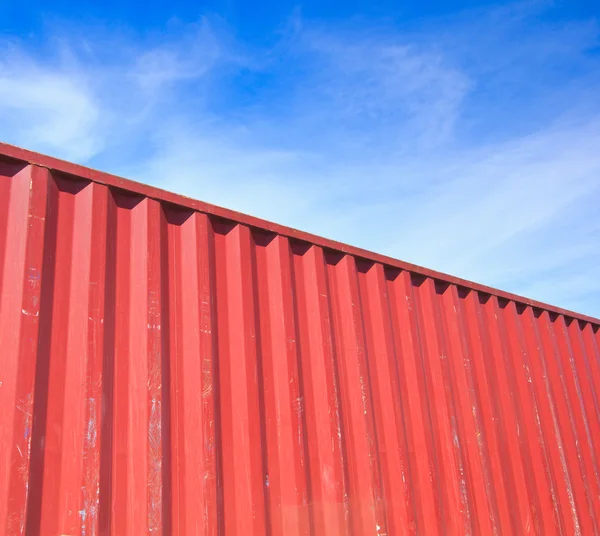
pixel 155 467
pixel 24 405
pixel 91 425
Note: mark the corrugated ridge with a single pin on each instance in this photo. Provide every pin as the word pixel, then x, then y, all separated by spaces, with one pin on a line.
pixel 166 371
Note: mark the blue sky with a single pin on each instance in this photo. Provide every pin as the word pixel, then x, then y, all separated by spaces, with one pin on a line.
pixel 464 136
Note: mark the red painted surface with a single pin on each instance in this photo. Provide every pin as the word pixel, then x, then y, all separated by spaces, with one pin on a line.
pixel 169 367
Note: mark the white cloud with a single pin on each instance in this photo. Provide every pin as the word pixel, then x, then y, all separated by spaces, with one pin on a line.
pixel 189 57
pixel 50 110
pixel 406 89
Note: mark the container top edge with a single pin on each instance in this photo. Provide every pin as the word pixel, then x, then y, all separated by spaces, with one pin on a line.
pixel 27 157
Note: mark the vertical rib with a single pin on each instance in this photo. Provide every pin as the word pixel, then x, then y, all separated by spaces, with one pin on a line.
pixel 387 403
pixel 477 463
pixel 134 303
pixel 244 482
pixel 68 362
pixel 322 405
pixel 365 496
pixel 94 399
pixel 193 353
pixel 534 451
pixel 589 363
pixel 580 406
pixel 565 425
pixel 549 425
pixel 488 405
pixel 22 255
pixel 443 415
pixel 418 421
pixel 284 404
pixel 509 419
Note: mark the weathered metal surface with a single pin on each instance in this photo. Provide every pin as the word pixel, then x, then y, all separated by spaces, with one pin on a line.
pixel 169 367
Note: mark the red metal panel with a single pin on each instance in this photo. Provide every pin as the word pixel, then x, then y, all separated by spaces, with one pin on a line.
pixel 169 367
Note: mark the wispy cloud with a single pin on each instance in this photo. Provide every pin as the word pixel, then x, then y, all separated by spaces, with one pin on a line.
pixel 468 145
pixel 408 93
pixel 48 109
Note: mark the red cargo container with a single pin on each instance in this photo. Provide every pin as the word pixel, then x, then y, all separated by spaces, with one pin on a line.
pixel 170 367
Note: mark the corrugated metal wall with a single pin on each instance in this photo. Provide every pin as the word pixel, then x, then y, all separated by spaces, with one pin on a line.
pixel 167 371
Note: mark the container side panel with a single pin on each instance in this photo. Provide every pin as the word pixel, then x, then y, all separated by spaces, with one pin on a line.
pixel 170 370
